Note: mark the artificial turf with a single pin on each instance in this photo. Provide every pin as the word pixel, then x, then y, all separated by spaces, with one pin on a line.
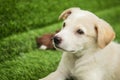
pixel 19 57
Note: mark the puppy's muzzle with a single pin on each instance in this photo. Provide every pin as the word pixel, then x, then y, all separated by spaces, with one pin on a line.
pixel 57 40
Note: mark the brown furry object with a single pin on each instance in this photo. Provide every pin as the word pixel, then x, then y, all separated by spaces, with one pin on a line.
pixel 45 41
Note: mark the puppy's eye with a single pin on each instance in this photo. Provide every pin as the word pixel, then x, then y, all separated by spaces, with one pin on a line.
pixel 79 31
pixel 63 24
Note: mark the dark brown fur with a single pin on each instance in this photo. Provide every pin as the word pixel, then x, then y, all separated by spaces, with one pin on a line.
pixel 46 40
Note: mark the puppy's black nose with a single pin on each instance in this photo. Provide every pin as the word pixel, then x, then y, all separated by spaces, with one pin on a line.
pixel 57 40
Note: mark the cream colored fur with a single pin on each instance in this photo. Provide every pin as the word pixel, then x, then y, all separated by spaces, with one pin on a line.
pixel 89 56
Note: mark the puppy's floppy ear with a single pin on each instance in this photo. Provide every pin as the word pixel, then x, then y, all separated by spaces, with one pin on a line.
pixel 105 33
pixel 67 12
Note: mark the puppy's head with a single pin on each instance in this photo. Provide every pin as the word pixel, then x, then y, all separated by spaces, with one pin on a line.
pixel 82 30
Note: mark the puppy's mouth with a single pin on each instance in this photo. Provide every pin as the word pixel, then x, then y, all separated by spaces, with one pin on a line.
pixel 62 49
pixel 71 51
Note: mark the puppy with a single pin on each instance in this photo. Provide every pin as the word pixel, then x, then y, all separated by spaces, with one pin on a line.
pixel 88 50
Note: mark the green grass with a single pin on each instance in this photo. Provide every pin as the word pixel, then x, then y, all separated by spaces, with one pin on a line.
pixel 22 43
pixel 18 16
pixel 27 19
pixel 30 66
pixel 25 42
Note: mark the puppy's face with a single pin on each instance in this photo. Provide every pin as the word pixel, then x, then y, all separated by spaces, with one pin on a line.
pixel 79 32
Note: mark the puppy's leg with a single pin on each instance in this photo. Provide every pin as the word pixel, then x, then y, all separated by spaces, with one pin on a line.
pixel 54 76
pixel 62 71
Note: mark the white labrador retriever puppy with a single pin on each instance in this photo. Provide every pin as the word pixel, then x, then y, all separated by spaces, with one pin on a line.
pixel 89 52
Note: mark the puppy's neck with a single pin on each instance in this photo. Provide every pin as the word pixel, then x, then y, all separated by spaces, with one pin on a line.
pixel 87 52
